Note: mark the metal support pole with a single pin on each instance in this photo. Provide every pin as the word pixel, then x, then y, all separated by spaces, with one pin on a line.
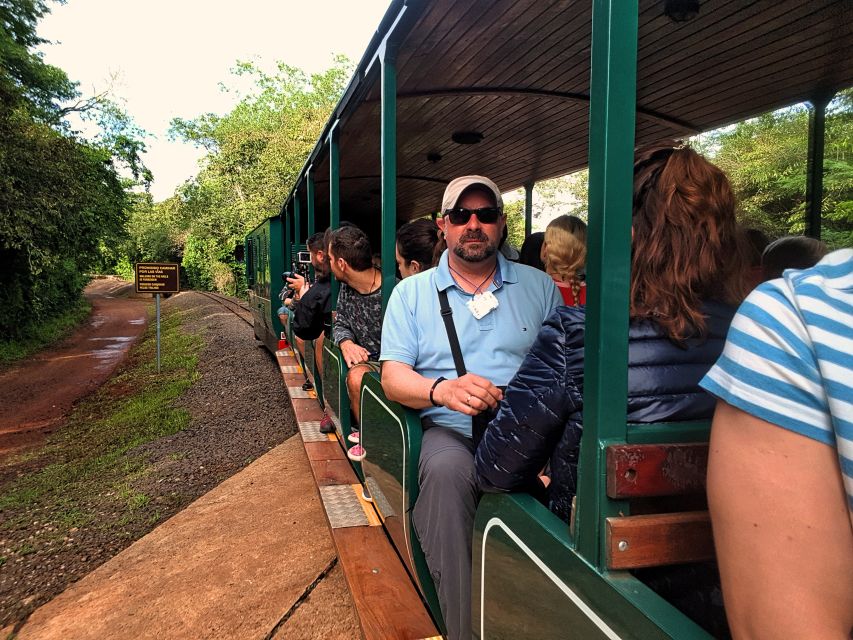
pixel 309 189
pixel 814 165
pixel 389 169
pixel 157 304
pixel 288 236
pixel 297 218
pixel 334 195
pixel 611 154
pixel 528 209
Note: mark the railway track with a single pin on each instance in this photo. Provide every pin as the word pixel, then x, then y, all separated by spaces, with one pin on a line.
pixel 236 308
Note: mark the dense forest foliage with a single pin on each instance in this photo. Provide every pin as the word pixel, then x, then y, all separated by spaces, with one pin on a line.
pixel 62 197
pixel 70 205
pixel 253 156
pixel 765 158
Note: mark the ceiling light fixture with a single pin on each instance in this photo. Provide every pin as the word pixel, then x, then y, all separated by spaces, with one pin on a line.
pixel 467 137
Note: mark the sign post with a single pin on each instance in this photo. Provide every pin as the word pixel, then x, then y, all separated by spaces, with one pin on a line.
pixel 157 278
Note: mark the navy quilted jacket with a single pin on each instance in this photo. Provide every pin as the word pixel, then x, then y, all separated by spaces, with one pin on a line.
pixel 541 415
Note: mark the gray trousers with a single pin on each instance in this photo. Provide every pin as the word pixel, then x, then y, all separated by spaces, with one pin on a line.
pixel 444 522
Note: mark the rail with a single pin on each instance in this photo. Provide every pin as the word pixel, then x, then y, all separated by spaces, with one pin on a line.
pixel 244 314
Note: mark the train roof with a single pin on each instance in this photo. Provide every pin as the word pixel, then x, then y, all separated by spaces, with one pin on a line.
pixel 517 73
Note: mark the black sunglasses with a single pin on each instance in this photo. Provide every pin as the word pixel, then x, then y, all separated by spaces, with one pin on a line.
pixel 486 215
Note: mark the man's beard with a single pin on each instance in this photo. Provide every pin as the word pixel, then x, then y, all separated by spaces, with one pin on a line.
pixel 469 254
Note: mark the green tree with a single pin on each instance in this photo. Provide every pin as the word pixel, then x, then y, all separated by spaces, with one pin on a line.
pixel 765 158
pixel 23 72
pixel 61 197
pixel 254 154
pixel 551 198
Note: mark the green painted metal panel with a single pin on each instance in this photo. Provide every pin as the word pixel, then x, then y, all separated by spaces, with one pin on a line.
pixel 291 338
pixel 309 190
pixel 268 255
pixel 529 582
pixel 312 368
pixel 389 170
pixel 334 388
pixel 297 220
pixel 611 151
pixel 391 435
pixel 288 237
pixel 666 432
pixel 334 194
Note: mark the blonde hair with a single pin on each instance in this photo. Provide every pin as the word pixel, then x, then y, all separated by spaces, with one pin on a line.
pixel 564 248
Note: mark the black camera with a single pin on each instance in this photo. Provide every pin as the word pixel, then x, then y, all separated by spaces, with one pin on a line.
pixel 298 269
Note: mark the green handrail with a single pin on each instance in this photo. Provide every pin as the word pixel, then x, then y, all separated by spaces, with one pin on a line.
pixel 387 58
pixel 611 152
pixel 334 194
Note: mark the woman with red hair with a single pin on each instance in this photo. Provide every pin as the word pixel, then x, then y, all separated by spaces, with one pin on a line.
pixel 687 271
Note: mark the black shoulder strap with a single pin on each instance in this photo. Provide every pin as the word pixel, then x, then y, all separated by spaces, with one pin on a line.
pixel 447 316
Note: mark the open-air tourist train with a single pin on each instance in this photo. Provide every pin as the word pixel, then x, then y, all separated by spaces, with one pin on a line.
pixel 522 91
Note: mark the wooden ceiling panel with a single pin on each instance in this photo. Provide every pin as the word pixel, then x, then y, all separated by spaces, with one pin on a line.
pixel 735 59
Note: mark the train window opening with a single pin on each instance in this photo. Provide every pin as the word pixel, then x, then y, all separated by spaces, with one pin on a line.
pixel 767 161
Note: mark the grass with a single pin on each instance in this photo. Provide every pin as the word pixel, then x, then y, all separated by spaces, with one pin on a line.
pixel 93 460
pixel 45 333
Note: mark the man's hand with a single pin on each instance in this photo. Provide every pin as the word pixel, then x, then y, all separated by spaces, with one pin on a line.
pixel 298 284
pixel 353 353
pixel 470 394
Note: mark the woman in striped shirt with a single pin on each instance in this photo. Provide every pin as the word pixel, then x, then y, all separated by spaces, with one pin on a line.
pixel 780 474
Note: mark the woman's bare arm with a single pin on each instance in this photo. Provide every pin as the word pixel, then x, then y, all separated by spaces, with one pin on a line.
pixel 782 530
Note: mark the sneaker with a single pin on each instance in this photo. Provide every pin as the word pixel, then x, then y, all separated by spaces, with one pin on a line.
pixel 356 453
pixel 326 424
pixel 354 437
pixel 307 386
pixel 365 494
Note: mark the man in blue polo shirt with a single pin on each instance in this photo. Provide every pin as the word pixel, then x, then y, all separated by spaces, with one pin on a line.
pixel 497 309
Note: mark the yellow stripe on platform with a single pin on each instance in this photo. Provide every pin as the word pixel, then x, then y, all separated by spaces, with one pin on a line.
pixel 369 511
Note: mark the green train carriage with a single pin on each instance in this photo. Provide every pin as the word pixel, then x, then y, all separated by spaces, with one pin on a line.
pixel 523 91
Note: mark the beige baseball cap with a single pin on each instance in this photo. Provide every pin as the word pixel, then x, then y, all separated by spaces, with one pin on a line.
pixel 458 185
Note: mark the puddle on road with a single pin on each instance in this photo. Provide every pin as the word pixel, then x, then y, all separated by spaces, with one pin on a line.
pixel 138 322
pixel 111 352
pixel 97 321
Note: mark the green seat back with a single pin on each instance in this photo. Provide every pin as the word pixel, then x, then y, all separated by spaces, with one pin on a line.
pixel 391 435
pixel 335 396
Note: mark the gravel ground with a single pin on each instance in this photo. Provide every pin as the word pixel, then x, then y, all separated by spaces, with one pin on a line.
pixel 239 412
pixel 239 406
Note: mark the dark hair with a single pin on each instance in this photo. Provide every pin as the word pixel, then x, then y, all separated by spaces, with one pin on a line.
pixel 687 245
pixel 327 234
pixel 791 252
pixel 315 242
pixel 531 250
pixel 757 241
pixel 416 240
pixel 352 244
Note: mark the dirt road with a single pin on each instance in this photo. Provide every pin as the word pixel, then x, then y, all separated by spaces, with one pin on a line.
pixel 37 394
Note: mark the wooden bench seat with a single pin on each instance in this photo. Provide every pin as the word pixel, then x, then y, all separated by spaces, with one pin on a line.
pixel 649 476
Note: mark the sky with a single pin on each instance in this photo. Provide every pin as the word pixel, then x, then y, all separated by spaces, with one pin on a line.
pixel 166 58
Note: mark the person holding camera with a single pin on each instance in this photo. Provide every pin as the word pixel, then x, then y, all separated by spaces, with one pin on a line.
pixel 312 302
pixel 452 370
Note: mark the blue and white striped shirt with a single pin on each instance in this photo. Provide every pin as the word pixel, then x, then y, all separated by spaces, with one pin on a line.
pixel 789 356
